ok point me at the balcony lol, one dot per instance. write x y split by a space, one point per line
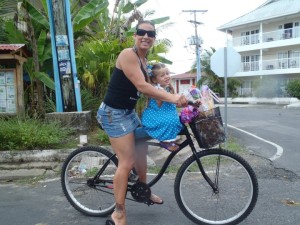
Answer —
277 35
274 64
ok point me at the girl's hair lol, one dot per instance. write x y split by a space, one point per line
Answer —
154 71
144 21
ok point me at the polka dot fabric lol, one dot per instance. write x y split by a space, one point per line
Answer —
161 123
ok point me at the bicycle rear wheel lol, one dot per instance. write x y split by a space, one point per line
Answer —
89 195
237 188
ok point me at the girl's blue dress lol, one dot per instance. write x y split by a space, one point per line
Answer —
161 123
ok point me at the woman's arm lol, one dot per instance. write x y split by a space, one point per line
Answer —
128 62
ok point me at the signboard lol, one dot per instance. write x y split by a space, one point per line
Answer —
222 56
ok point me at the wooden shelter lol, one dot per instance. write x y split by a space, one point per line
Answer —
12 58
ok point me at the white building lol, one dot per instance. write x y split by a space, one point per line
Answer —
268 40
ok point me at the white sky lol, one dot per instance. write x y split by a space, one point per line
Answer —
218 13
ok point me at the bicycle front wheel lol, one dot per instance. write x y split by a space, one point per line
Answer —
236 183
90 194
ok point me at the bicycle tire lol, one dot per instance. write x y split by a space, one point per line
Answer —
237 188
92 198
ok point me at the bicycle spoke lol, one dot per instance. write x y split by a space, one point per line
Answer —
88 190
236 188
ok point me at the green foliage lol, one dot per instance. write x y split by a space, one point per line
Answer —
27 134
88 13
95 62
45 79
141 104
12 34
36 16
232 85
293 88
88 100
103 137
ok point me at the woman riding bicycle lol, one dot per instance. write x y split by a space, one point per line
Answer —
118 118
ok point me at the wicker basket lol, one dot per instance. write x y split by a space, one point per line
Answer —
208 128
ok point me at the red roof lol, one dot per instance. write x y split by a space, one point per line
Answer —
15 49
184 75
11 47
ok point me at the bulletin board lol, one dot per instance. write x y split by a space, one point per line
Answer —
7 91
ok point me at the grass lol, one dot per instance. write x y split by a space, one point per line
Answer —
232 145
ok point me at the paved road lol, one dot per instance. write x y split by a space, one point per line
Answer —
44 203
275 132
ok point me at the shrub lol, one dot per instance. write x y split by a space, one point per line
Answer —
28 134
293 88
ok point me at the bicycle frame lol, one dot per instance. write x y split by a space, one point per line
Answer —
187 142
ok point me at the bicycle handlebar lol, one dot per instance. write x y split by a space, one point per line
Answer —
193 103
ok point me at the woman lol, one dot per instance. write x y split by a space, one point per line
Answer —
118 118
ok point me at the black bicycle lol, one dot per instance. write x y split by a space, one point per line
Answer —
212 186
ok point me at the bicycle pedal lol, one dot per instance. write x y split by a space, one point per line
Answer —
109 222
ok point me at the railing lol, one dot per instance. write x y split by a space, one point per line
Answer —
281 34
267 37
284 63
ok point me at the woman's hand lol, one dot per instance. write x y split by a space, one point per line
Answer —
198 102
181 100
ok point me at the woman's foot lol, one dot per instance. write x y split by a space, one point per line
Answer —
154 199
170 146
119 216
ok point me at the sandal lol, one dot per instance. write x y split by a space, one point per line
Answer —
155 200
170 146
110 222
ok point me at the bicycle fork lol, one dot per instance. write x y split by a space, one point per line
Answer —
214 185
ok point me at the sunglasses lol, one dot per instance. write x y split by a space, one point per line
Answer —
150 33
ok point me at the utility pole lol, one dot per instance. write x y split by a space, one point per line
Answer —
67 89
197 40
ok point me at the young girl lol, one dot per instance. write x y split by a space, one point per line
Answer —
160 119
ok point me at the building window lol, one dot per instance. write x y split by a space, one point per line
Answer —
250 63
250 37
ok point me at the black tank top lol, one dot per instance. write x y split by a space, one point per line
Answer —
121 93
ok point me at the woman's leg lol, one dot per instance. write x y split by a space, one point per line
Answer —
125 149
141 166
141 150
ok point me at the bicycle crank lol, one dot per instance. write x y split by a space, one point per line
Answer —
140 192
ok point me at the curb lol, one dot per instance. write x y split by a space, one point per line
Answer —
31 163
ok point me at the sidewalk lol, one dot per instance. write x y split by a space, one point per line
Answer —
287 103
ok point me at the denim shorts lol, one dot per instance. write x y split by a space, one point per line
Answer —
117 122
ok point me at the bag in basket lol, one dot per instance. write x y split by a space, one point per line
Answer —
209 128
207 99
